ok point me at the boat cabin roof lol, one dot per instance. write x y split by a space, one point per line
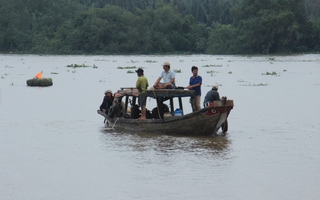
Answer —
164 93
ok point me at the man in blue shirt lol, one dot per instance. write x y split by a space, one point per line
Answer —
195 84
168 77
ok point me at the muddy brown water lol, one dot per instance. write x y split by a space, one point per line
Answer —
53 144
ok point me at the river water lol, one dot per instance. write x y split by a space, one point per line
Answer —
53 144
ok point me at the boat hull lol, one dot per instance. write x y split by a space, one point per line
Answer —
204 122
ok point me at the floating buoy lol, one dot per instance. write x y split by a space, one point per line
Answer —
39 75
42 82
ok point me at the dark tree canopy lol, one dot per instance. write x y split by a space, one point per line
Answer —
159 26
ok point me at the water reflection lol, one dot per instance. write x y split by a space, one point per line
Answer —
165 144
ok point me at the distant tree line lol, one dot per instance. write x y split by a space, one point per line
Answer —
159 26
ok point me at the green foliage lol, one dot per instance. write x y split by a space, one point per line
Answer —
159 26
223 40
271 26
31 24
313 40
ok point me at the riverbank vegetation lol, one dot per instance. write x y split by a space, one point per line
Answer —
159 26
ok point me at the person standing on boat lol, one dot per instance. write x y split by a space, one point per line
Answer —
168 77
195 84
211 96
142 85
107 101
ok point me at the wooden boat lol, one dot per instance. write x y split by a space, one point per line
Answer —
40 82
164 119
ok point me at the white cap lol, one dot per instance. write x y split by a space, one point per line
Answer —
166 63
108 91
215 86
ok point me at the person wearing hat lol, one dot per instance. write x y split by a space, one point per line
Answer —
107 101
195 84
168 77
117 106
211 96
142 85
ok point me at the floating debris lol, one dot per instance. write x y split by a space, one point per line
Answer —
212 65
80 66
127 67
260 84
273 73
151 61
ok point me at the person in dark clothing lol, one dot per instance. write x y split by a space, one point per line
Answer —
211 96
107 101
116 110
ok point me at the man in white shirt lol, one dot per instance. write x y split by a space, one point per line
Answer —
168 77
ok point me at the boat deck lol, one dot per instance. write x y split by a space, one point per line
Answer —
165 93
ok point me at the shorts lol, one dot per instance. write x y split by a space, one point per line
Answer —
172 85
142 99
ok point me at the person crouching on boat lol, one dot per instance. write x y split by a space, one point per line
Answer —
142 85
211 96
168 77
117 106
107 101
195 84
